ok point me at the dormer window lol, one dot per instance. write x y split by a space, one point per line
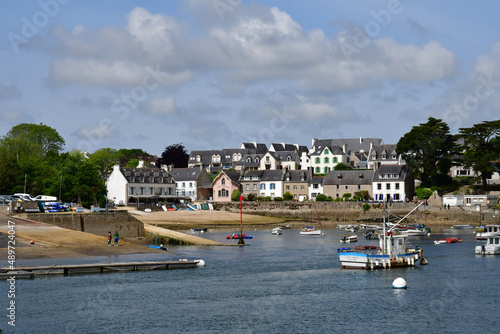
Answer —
383 156
249 160
257 160
198 158
339 177
327 151
223 181
288 158
394 156
361 176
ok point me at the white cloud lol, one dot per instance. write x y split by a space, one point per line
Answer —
161 106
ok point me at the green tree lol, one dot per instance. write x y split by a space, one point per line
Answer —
235 196
175 155
480 147
427 149
27 155
287 196
105 159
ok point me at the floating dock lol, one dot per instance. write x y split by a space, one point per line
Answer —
67 269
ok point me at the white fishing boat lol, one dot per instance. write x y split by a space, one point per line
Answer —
348 239
491 247
463 227
491 231
277 231
417 232
393 252
310 230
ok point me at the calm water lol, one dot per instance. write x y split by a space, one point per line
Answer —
278 284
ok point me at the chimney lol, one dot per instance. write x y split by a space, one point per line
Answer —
313 141
361 140
141 164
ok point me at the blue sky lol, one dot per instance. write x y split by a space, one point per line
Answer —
212 74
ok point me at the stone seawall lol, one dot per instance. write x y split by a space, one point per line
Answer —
99 223
352 212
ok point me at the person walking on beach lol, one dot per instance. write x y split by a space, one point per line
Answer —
117 237
109 238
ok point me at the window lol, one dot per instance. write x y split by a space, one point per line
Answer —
326 151
335 160
272 186
257 160
338 196
346 187
379 186
247 186
183 185
294 187
317 170
315 186
388 186
359 187
223 181
287 187
325 170
301 187
132 190
254 187
397 186
338 187
249 160
326 160
295 196
317 160
262 186
396 197
190 184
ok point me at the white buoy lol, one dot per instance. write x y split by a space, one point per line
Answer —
399 283
200 263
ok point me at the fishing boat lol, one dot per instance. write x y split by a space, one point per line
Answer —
393 252
447 241
417 232
348 239
491 231
463 227
276 231
285 227
310 230
491 247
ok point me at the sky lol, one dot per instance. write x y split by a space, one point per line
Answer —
211 74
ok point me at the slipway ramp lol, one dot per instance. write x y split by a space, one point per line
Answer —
188 239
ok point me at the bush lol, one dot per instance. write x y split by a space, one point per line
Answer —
287 196
250 197
235 196
347 196
362 195
423 193
278 199
321 198
366 207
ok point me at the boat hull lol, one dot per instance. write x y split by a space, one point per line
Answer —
315 232
360 260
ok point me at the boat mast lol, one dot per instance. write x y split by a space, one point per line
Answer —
384 248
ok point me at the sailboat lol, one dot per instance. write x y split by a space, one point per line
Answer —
311 230
393 252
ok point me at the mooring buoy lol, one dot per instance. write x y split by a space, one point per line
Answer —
399 283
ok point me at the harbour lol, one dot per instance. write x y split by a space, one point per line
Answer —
277 284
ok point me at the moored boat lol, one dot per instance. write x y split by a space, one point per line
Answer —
463 227
276 231
351 238
393 252
491 231
310 230
447 241
491 247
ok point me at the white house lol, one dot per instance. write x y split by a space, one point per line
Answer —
315 186
139 185
271 183
392 183
192 184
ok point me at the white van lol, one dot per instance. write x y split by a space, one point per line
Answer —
43 198
25 197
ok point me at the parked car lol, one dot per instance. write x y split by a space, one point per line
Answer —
5 199
25 197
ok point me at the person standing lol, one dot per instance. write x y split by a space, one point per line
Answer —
109 238
117 237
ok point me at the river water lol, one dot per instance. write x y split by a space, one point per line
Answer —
277 284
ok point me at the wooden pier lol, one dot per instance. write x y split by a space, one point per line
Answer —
67 269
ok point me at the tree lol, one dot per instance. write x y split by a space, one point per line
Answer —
175 155
105 159
481 147
427 149
27 154
287 196
423 193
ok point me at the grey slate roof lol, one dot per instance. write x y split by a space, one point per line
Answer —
317 180
185 174
249 160
298 176
349 177
378 150
258 147
232 175
146 175
251 173
318 149
273 175
399 170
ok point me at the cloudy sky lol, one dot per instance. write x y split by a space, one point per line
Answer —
212 74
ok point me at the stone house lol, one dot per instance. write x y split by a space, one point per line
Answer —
383 154
297 183
338 183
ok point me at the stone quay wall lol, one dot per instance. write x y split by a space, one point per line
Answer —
99 223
